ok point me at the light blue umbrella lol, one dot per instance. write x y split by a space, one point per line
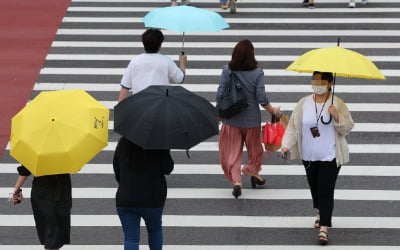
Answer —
183 19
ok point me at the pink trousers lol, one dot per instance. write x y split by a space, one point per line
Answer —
231 140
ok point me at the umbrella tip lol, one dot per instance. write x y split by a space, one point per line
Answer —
338 41
166 93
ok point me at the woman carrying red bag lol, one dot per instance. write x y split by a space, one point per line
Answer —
245 127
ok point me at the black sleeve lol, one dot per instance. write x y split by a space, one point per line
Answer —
167 164
23 171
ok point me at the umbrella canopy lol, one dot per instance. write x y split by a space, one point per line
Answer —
340 61
58 132
184 18
165 117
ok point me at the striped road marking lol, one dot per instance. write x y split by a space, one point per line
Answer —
215 169
224 193
217 221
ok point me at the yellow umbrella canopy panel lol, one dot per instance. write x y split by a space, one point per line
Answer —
59 132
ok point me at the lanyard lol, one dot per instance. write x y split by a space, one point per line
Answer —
316 111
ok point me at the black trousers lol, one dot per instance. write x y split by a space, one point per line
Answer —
321 177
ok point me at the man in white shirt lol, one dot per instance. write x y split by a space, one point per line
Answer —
151 67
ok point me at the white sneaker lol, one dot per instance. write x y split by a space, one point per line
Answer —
364 1
352 4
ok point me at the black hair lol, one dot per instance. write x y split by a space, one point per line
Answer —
152 39
327 76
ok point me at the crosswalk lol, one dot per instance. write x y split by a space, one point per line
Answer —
94 44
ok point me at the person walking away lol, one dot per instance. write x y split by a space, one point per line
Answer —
231 4
245 127
183 2
151 67
51 200
352 3
316 133
142 191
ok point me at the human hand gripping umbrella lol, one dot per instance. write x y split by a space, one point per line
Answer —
184 19
339 61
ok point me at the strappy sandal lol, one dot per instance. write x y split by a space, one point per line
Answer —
323 240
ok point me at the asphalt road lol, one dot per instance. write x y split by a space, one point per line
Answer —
92 48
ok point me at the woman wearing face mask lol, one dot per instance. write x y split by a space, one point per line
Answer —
316 134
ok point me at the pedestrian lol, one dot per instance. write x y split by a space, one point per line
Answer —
352 3
308 3
231 4
183 2
142 191
245 127
321 144
151 67
51 200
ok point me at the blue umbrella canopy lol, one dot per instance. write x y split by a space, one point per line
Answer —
184 18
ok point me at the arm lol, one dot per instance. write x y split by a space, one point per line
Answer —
344 122
262 97
272 110
16 198
225 77
182 62
167 164
177 74
124 92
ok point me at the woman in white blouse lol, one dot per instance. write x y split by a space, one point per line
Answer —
316 134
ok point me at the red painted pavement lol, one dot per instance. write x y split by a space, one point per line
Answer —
27 29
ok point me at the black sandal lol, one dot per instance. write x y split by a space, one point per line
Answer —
237 191
323 240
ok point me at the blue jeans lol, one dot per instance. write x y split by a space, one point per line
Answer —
130 220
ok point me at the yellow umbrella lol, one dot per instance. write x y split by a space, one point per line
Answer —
340 61
59 132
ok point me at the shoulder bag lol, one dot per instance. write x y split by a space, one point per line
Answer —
234 99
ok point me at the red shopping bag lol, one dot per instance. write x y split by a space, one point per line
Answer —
273 133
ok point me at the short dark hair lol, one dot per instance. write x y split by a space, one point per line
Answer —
152 39
327 76
243 56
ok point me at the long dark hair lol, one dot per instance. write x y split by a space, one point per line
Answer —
243 56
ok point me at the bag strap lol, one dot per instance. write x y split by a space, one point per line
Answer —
239 84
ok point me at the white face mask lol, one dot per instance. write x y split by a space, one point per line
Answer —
320 90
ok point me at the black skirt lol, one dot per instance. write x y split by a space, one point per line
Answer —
51 199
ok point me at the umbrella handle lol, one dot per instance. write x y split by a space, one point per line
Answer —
183 43
324 122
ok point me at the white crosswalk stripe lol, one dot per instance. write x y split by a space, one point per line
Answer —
95 42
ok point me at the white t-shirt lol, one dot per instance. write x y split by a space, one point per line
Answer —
150 69
320 148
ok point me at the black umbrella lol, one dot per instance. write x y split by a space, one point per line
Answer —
165 117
